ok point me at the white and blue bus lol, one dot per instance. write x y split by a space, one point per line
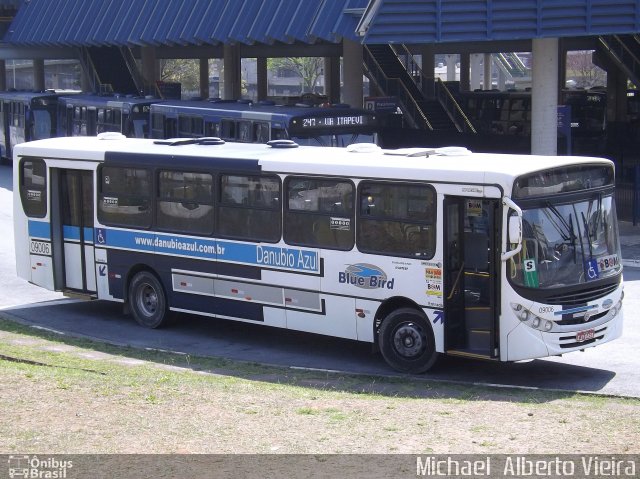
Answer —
419 252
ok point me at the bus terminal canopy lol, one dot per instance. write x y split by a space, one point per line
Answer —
60 23
436 21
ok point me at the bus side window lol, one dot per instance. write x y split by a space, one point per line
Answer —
211 129
228 129
396 219
261 132
244 131
185 202
33 187
124 198
319 213
250 208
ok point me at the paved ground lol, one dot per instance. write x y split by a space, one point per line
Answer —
630 244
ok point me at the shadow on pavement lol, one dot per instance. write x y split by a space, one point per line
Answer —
228 340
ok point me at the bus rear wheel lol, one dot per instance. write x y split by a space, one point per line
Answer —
147 300
407 342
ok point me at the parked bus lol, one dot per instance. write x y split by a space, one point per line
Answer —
421 252
509 112
25 116
262 122
89 115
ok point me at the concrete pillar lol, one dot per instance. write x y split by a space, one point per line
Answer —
38 74
451 67
475 75
502 79
262 78
150 70
427 53
616 96
204 78
562 64
544 97
232 75
332 79
352 64
428 60
486 74
465 66
3 75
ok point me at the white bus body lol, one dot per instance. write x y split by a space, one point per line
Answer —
502 257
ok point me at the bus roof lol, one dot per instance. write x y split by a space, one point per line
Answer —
449 165
102 100
240 108
27 95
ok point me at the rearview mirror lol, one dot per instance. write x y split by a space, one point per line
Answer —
515 229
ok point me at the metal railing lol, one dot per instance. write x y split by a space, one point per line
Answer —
452 107
440 91
622 55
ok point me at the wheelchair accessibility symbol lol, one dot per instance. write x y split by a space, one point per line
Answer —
101 236
591 270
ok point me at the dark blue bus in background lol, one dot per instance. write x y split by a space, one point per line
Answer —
26 116
242 121
88 115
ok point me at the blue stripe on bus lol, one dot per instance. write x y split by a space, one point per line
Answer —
265 256
72 233
39 229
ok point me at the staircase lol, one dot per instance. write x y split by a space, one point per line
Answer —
511 65
111 69
624 52
404 80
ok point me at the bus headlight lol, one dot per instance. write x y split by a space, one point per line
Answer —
523 315
536 322
548 325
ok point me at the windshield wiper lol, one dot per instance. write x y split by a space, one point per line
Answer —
586 232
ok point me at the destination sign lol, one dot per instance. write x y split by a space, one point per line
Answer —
333 121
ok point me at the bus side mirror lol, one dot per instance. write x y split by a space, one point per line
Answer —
514 228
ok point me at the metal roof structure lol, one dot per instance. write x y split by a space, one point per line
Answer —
73 23
440 21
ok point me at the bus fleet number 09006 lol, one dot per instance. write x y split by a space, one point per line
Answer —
40 247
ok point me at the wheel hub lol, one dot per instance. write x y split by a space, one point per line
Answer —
409 340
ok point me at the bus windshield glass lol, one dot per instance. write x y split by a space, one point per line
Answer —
568 244
340 140
42 120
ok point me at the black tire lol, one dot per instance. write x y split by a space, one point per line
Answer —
147 300
406 341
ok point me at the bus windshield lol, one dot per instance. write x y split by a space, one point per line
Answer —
340 140
568 244
41 124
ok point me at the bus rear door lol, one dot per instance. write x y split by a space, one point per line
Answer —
75 259
470 276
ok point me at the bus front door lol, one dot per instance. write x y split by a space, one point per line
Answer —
470 294
75 215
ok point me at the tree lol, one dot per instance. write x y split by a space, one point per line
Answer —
582 71
184 71
309 69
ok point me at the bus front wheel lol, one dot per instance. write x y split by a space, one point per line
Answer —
407 342
147 300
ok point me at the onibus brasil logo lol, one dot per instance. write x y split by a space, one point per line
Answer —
33 467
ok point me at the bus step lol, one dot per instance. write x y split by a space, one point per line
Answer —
79 295
479 339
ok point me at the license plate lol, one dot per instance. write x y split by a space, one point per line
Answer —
585 335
